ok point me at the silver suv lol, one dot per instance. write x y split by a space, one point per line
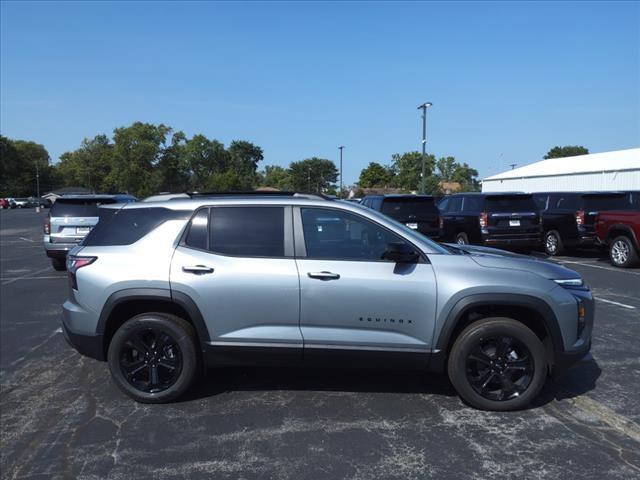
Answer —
159 289
70 219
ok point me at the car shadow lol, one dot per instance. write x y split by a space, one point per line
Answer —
579 380
223 380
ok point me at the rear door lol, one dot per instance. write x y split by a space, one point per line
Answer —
601 202
72 219
236 263
512 214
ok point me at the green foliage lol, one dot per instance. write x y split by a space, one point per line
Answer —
375 175
276 176
566 151
408 169
451 171
313 175
18 162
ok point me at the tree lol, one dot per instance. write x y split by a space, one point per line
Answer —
375 175
276 176
203 159
244 158
88 166
19 162
408 169
566 151
451 171
313 175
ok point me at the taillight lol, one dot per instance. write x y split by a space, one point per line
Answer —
47 225
74 263
580 217
484 220
440 222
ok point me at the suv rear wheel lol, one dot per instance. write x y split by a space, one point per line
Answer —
553 243
152 357
462 239
622 252
497 364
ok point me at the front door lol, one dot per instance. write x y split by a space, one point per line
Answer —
236 263
351 298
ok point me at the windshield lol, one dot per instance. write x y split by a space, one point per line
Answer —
510 203
404 208
406 231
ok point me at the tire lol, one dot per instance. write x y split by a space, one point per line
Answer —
462 239
175 362
523 364
553 243
622 253
59 264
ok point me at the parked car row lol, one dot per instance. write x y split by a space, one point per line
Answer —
555 221
29 202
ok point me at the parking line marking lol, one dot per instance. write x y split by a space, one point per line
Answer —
33 349
600 266
2 279
25 275
26 239
630 307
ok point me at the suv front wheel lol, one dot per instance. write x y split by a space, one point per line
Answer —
152 357
497 364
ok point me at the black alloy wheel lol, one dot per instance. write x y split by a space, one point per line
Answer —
151 360
500 368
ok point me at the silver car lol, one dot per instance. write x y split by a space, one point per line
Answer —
70 219
159 289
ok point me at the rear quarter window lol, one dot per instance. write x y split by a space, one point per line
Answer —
403 208
607 202
127 226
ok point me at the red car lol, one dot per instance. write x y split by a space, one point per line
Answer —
4 203
620 231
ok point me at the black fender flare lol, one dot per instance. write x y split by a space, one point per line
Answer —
495 299
180 299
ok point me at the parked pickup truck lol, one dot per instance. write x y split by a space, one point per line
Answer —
620 231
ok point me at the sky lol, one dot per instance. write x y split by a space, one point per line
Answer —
508 80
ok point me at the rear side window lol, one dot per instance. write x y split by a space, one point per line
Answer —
405 208
78 207
455 204
198 234
247 231
509 203
564 201
607 202
127 226
472 204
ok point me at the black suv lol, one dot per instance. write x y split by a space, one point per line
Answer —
568 218
491 219
418 212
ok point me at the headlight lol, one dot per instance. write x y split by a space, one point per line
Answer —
571 283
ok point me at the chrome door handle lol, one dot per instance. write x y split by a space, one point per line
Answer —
324 275
200 269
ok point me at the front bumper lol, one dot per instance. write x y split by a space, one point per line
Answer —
563 361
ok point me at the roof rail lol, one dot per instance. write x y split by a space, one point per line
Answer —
316 196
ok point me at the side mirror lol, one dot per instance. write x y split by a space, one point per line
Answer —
400 252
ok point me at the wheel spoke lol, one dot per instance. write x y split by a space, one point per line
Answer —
486 379
479 356
504 346
508 387
170 363
134 367
154 377
520 364
137 343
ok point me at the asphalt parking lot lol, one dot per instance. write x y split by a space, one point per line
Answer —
61 417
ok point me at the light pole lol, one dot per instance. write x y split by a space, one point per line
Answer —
37 187
424 107
340 191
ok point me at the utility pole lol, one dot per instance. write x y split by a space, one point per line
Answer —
37 187
340 192
424 107
513 165
309 180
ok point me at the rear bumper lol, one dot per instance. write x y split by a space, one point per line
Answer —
57 250
85 342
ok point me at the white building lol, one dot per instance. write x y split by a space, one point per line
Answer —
618 170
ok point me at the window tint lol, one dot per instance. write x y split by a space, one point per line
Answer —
198 234
343 236
564 201
86 207
407 208
541 201
472 204
126 226
247 231
455 204
443 205
607 202
511 203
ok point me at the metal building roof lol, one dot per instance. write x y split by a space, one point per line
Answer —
618 160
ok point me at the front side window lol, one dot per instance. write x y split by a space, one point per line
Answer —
333 234
247 231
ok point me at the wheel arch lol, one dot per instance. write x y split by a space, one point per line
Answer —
124 304
533 312
620 229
